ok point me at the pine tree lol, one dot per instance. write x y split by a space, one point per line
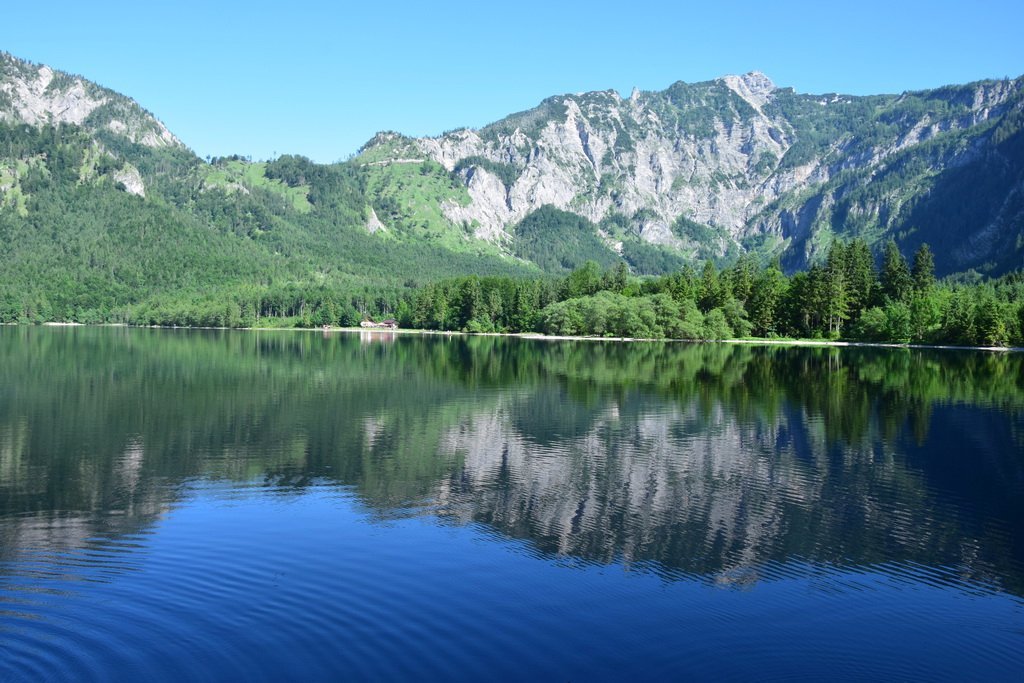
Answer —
616 278
834 289
991 328
958 323
861 278
741 277
471 300
804 302
896 280
923 272
683 285
765 302
709 287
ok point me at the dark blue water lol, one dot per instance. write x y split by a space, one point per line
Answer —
265 506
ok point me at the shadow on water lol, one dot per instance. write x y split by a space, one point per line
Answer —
693 460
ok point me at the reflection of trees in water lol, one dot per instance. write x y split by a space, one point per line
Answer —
711 459
702 457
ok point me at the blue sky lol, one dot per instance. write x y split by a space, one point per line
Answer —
319 78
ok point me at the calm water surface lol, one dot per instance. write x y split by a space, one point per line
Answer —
180 505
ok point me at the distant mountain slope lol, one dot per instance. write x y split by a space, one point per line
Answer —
102 208
710 169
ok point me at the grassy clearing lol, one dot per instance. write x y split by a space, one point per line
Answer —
252 176
408 199
12 196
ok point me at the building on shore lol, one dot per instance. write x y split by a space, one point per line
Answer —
389 324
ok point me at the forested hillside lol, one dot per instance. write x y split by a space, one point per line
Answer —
94 227
105 216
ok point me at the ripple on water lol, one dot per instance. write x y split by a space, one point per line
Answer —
576 512
230 586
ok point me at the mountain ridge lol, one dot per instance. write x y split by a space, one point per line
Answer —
102 208
732 154
36 94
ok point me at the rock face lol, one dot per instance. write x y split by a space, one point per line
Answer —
761 166
130 178
373 223
696 171
38 95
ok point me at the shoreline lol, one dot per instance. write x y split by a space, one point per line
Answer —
555 337
558 337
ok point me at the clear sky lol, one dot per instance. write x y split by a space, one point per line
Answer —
319 78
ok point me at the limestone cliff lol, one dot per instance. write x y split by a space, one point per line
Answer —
38 95
754 166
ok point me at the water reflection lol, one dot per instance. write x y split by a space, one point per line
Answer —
726 463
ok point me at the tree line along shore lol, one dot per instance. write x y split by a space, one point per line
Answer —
848 297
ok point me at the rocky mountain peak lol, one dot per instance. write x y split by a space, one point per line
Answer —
38 95
708 169
754 87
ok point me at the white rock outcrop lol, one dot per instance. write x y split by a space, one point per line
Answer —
130 178
38 95
712 155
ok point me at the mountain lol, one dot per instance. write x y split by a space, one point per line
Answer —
738 164
106 215
38 95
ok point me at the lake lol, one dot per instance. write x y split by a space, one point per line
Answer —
281 505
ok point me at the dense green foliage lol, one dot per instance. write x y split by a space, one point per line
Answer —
847 297
557 240
647 259
506 173
227 243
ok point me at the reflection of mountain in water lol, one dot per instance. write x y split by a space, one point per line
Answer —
696 490
125 505
714 460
